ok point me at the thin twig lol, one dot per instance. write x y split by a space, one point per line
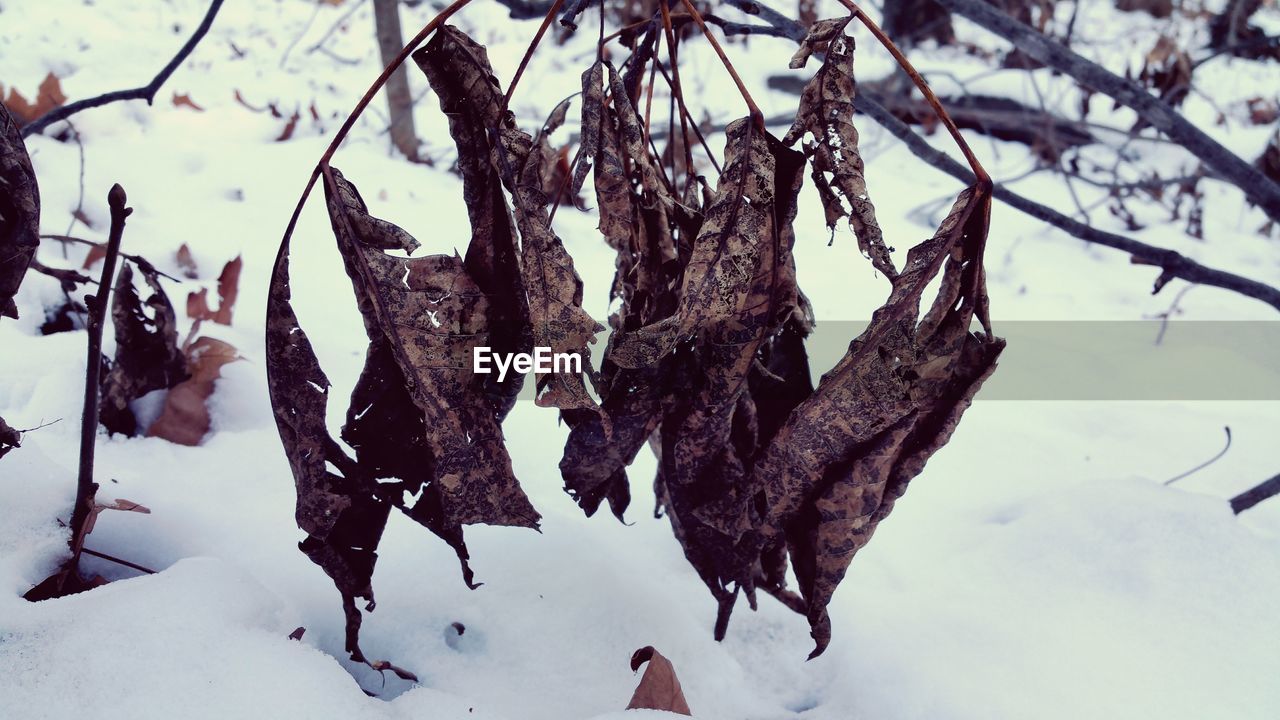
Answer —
1206 463
676 91
297 38
146 92
924 88
118 561
528 53
756 116
1172 263
353 6
86 488
135 259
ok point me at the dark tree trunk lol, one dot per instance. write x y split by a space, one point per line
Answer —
386 21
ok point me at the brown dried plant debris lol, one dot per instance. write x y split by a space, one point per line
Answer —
48 97
460 76
707 361
659 688
635 221
228 290
147 356
9 438
826 117
184 419
847 453
756 465
19 212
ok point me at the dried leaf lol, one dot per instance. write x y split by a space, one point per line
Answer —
96 253
48 96
659 688
826 113
637 225
184 418
184 100
592 117
847 452
336 508
459 73
433 315
9 438
147 357
19 213
187 263
228 291
117 504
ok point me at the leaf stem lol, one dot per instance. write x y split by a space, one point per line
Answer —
756 115
925 90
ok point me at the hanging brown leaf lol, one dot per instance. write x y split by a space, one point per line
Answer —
640 230
847 453
739 288
552 286
19 213
336 507
433 316
826 113
659 688
592 117
147 356
184 418
459 73
554 291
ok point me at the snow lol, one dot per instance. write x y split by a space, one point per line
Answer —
1038 568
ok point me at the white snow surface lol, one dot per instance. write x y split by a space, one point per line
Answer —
1039 568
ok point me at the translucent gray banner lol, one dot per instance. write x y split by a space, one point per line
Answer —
1088 360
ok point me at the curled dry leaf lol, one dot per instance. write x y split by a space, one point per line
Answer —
635 221
659 688
19 212
458 71
847 453
9 438
187 262
431 316
184 419
826 114
228 291
184 100
592 119
117 504
336 507
147 356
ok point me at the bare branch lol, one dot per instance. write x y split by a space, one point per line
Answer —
1260 189
146 92
1249 498
1172 264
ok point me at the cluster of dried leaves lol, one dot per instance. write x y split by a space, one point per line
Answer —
149 356
19 229
706 360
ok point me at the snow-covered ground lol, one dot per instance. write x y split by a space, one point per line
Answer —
1039 568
